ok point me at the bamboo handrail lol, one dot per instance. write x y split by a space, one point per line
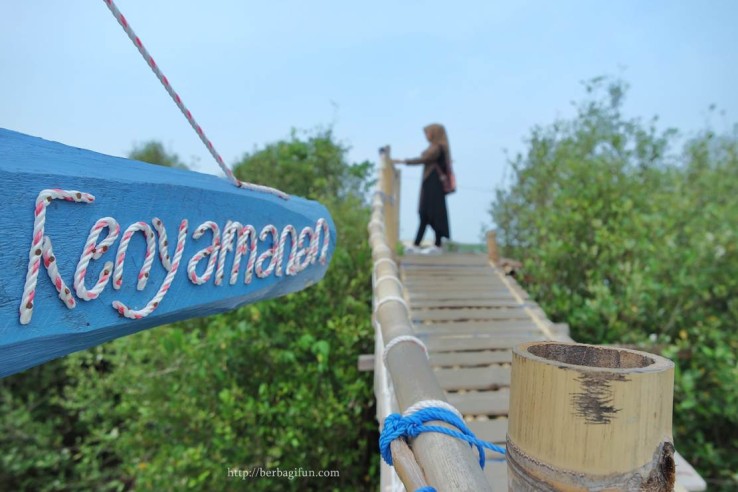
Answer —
448 464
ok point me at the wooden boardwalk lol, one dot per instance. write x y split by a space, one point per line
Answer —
469 315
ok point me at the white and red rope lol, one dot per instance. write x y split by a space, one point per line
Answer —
65 294
41 243
93 251
186 112
244 232
211 251
143 274
124 310
41 253
161 231
262 272
321 224
229 231
290 231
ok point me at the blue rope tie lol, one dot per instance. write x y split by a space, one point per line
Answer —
427 488
397 426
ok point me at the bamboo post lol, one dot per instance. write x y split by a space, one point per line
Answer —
395 229
389 186
584 417
406 467
494 255
448 463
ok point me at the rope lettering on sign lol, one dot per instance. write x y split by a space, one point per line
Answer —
302 251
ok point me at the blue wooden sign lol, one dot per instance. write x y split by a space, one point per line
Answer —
95 247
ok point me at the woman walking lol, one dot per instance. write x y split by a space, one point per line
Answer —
432 209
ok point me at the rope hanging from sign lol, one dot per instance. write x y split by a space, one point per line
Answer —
186 112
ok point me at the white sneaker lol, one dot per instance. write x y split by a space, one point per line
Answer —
413 250
431 250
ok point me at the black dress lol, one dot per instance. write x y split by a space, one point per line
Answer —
432 206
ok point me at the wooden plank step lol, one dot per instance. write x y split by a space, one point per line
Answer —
688 476
447 266
441 266
452 272
438 283
496 473
500 328
470 359
425 299
470 314
441 282
481 402
463 303
477 378
491 430
460 268
449 259
453 344
472 280
488 295
471 277
466 272
443 286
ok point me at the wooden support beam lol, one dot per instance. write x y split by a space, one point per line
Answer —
584 417
365 363
85 258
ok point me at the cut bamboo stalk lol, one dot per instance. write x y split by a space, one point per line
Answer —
584 417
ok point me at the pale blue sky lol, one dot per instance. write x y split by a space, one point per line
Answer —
377 71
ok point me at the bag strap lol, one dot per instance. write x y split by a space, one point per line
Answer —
447 158
440 171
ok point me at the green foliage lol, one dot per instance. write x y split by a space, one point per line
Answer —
34 430
154 152
313 167
628 241
271 385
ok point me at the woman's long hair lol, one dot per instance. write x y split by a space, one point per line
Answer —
437 136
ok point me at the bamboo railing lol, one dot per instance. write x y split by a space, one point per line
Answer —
447 463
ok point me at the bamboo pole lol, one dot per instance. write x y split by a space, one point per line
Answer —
407 468
390 192
448 463
584 417
395 239
494 255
